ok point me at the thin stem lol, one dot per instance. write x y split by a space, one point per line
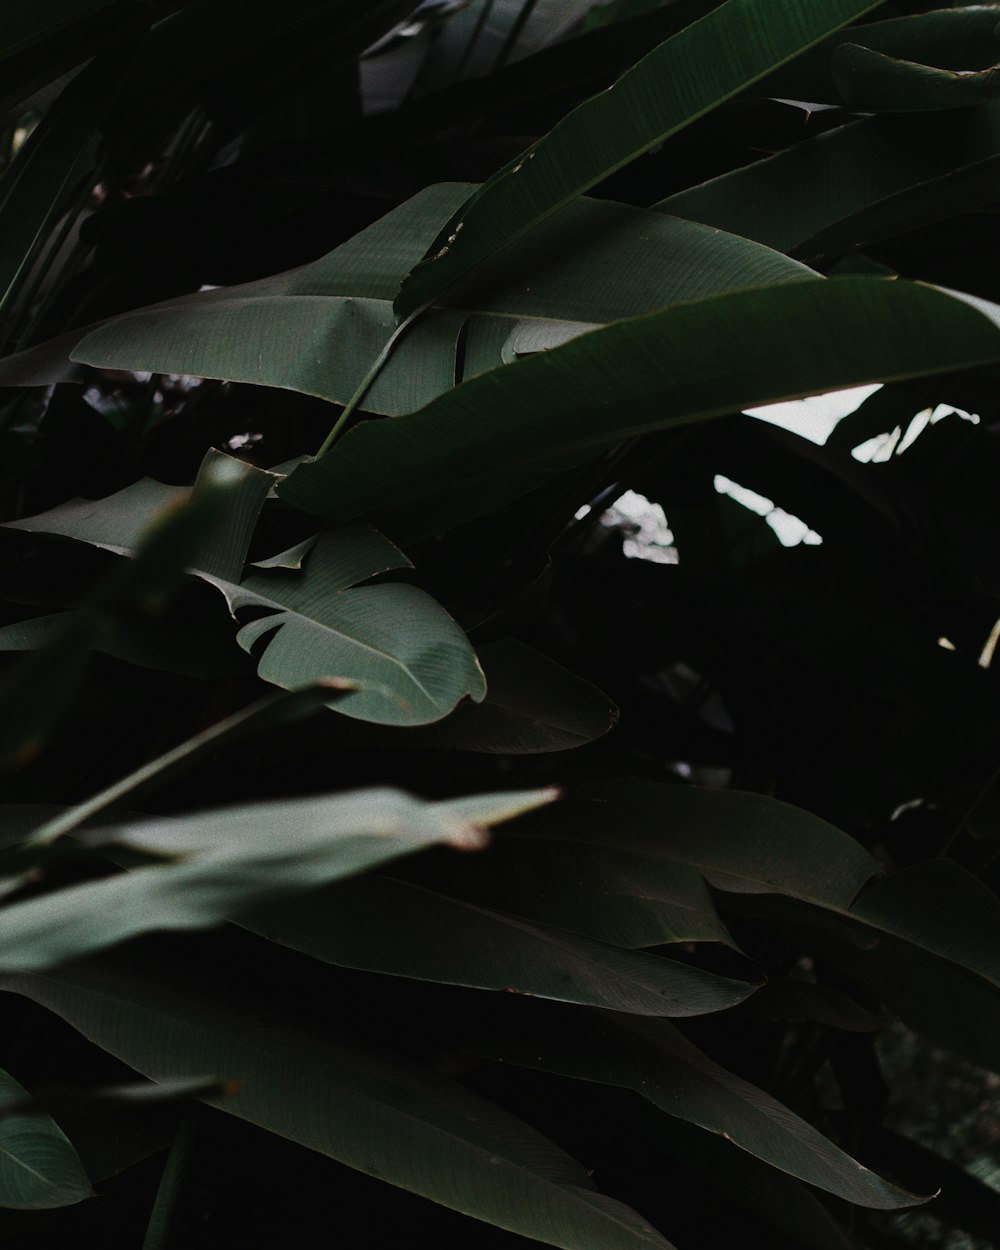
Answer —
368 380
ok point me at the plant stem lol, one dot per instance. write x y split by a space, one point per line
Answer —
368 380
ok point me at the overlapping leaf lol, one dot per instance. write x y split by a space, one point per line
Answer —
432 937
856 66
655 1060
854 184
226 860
751 844
409 661
503 434
317 329
698 69
367 1109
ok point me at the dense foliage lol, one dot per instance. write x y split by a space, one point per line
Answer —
331 331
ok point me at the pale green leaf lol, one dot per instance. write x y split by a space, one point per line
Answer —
226 860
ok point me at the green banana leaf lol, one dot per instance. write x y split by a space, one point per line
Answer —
855 184
370 1110
318 328
429 936
871 82
532 706
656 1061
231 858
614 894
500 435
963 38
38 1166
408 661
699 68
752 844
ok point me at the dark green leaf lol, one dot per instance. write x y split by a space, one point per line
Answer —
229 859
432 937
503 434
38 1166
871 82
854 184
368 1109
655 1060
699 68
406 659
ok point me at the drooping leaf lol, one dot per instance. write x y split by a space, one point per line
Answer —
432 937
38 1166
784 1203
685 77
615 894
962 38
869 81
752 844
941 907
221 862
369 1110
855 184
501 435
655 1060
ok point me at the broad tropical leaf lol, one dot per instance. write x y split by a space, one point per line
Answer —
654 1059
500 435
223 861
616 894
752 844
854 184
318 328
869 81
409 661
38 1166
432 937
367 1109
532 705
685 77
963 38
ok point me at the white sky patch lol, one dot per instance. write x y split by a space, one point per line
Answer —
650 537
894 442
815 418
790 529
